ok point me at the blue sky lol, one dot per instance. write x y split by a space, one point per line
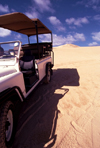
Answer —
71 21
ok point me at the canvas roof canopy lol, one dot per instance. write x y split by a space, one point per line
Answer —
21 23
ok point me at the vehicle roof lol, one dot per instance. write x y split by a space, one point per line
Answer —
21 23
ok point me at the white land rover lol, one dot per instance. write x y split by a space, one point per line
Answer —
22 68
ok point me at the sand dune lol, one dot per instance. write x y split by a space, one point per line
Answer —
68 45
80 107
69 106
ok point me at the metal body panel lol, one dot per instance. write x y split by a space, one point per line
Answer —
42 71
11 80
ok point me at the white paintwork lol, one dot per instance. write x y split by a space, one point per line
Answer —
11 76
41 64
11 80
6 62
6 70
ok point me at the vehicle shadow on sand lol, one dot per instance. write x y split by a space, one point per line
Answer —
38 118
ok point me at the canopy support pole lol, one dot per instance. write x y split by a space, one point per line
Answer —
37 38
28 40
52 38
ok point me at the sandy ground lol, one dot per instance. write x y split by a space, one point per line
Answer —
66 112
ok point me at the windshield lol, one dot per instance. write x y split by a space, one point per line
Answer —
8 52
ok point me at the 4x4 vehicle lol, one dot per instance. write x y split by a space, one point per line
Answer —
22 68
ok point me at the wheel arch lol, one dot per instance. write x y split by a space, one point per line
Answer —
8 93
47 65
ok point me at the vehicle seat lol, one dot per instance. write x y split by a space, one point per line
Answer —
27 63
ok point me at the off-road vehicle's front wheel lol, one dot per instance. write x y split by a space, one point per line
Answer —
6 124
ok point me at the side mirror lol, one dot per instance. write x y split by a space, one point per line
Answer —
11 52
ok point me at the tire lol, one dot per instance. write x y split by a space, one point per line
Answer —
48 75
6 124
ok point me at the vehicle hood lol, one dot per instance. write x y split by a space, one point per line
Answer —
6 70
